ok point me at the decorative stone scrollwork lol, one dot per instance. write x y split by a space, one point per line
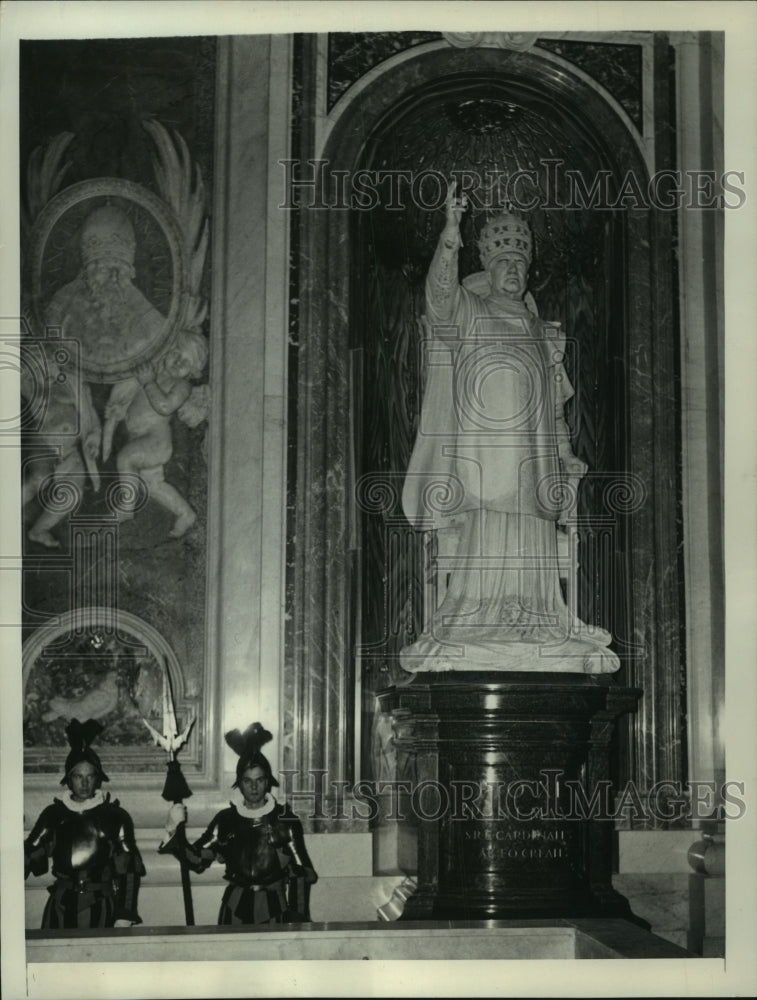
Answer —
518 41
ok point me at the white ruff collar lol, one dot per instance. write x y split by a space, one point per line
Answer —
79 807
269 804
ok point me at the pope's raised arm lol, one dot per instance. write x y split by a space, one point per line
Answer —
442 288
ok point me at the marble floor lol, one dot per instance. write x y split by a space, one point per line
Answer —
533 939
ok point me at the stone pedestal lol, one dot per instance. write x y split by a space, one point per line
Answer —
504 781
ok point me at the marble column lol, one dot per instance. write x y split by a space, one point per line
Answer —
700 121
247 503
319 687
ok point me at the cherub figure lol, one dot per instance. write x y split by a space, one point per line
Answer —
146 404
69 436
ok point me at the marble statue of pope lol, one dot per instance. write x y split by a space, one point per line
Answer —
492 467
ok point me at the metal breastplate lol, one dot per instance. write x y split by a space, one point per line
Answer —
82 842
251 856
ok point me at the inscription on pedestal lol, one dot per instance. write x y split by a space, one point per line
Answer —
522 845
519 855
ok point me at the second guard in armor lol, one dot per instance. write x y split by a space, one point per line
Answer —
268 870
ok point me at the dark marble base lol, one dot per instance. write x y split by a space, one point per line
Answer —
508 793
503 904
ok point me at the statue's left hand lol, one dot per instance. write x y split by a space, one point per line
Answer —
572 465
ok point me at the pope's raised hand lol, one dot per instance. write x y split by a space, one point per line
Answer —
455 208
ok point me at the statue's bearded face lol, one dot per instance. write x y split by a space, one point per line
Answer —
509 276
107 280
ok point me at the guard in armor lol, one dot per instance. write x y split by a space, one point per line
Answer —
260 842
90 841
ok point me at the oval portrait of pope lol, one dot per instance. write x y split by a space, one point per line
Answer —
109 274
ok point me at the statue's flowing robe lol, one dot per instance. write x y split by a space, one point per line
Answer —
486 470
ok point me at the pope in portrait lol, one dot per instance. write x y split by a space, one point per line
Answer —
102 308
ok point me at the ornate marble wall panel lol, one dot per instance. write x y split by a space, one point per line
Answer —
619 62
351 54
117 152
616 66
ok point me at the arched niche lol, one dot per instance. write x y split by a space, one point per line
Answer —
106 664
339 392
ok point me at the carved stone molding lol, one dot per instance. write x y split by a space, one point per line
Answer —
518 41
